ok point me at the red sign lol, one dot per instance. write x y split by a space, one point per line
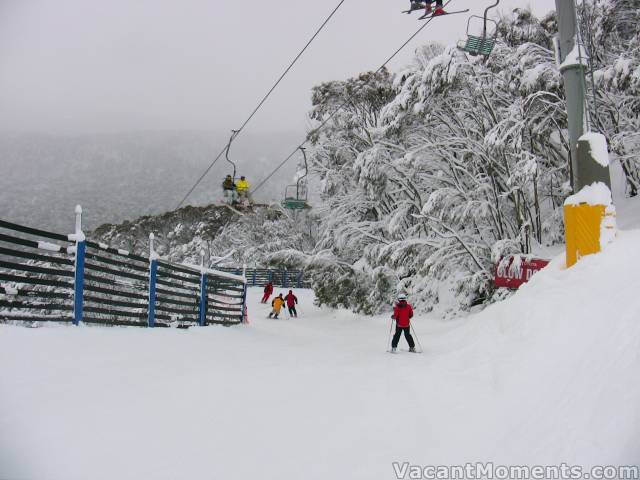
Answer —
514 270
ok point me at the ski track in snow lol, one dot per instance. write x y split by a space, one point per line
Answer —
546 377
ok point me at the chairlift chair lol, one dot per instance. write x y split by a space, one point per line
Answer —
295 196
481 44
234 198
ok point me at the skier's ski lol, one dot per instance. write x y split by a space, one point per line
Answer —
413 10
430 15
402 351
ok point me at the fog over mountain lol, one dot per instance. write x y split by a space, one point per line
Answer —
117 177
182 69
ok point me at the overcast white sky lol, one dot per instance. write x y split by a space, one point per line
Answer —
78 66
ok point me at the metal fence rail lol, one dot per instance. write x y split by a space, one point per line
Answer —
114 284
36 274
279 277
226 300
46 276
178 294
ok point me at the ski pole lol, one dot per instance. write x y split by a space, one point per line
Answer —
417 339
390 330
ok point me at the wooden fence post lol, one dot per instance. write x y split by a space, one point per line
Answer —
78 277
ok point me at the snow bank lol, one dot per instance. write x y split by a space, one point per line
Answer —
627 209
595 194
598 194
545 377
598 147
52 247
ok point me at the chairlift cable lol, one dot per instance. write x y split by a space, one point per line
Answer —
291 65
264 99
328 119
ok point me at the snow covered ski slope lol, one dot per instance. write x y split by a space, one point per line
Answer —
548 376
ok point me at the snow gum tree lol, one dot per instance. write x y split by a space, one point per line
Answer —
431 175
350 111
611 36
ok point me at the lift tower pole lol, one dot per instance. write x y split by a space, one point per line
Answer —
585 169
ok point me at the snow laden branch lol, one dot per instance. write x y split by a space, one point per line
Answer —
428 177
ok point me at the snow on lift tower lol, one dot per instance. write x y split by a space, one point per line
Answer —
226 153
481 44
299 200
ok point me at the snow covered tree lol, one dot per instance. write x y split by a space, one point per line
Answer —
430 176
610 33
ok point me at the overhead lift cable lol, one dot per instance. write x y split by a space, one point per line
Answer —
264 99
328 119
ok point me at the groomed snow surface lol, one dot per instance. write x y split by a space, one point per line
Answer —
548 376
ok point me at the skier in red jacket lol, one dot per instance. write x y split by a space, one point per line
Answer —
291 303
268 290
428 9
402 313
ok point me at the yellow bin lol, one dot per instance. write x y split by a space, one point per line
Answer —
582 226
